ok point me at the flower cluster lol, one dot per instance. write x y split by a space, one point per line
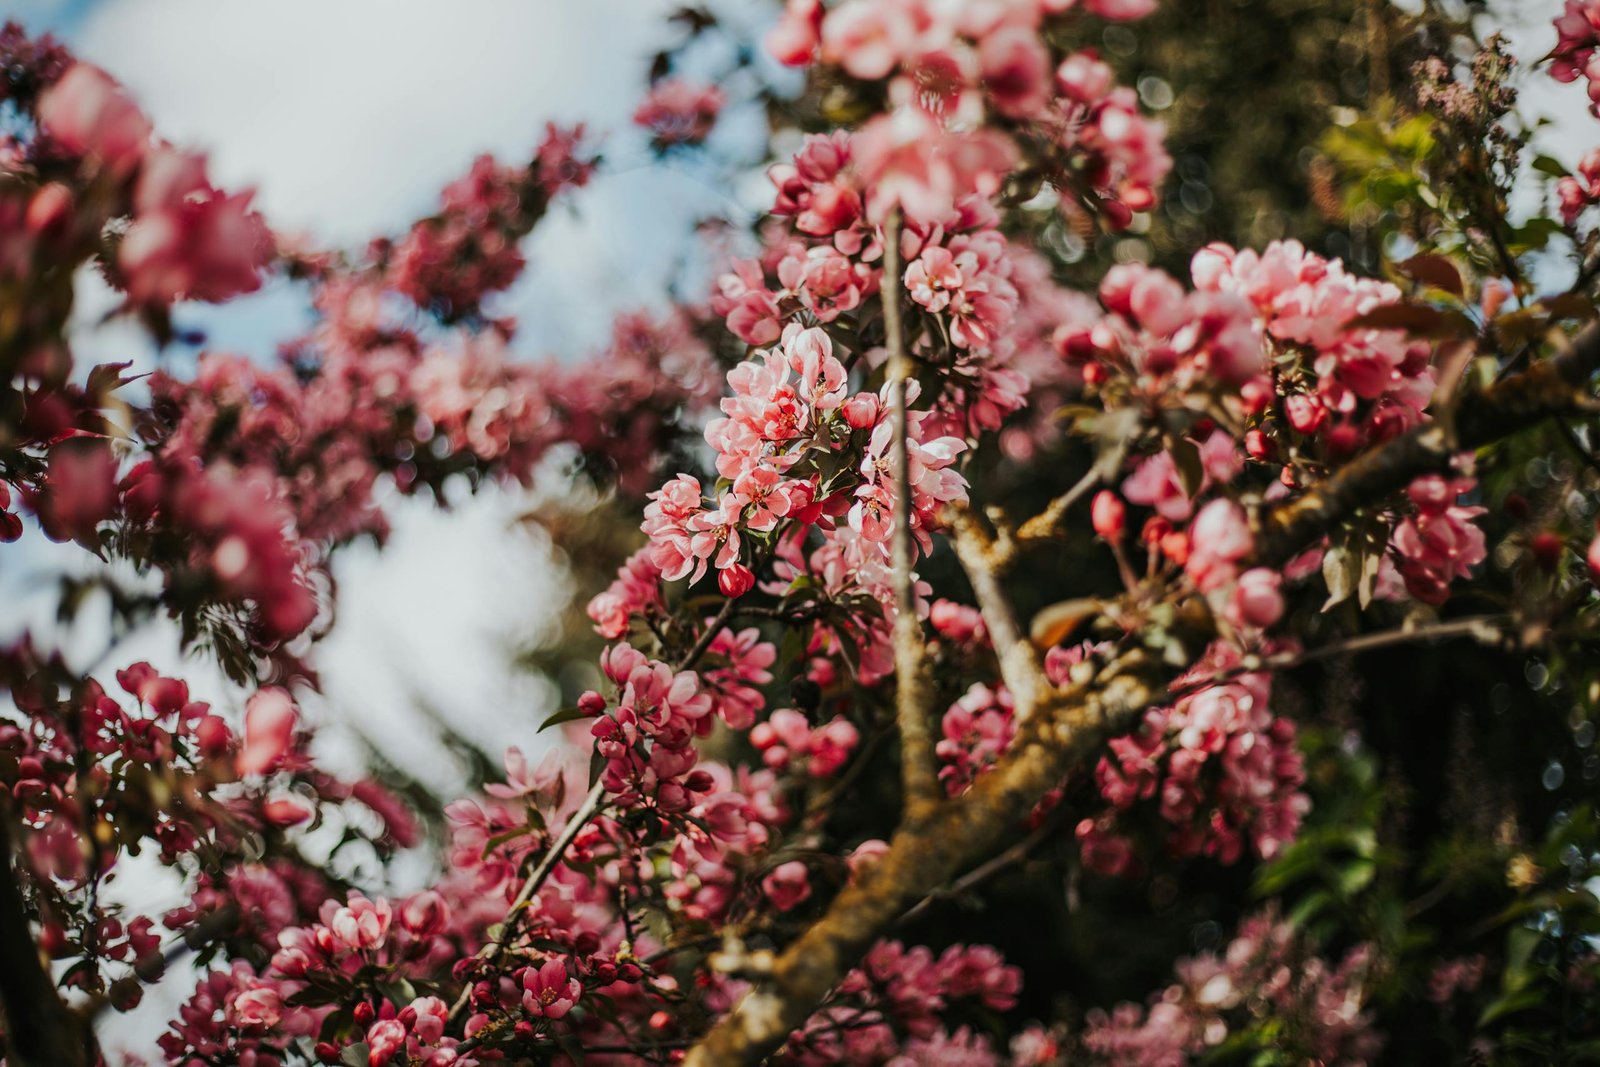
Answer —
1215 1003
906 990
1219 767
1578 192
1438 543
949 69
1578 34
977 729
1356 384
1162 338
790 406
448 263
186 239
787 740
679 112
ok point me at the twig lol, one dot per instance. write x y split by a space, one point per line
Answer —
1047 523
981 874
919 775
150 967
586 811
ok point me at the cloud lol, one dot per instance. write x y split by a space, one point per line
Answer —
350 116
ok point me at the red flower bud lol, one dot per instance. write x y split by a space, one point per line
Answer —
736 581
1258 444
1108 515
1546 547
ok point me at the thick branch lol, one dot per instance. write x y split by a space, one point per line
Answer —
1552 387
39 1030
1070 726
913 708
1019 662
1069 729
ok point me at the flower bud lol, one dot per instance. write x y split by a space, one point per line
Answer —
1108 515
736 581
1546 547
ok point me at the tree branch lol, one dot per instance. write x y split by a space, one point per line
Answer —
919 768
1553 386
580 818
1047 523
1070 725
1020 665
40 1031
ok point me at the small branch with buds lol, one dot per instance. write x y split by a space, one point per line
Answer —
586 812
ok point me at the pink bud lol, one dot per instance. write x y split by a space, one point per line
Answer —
861 411
424 914
1108 515
286 811
269 721
1256 599
1258 444
386 1037
213 736
736 581
787 886
1593 559
1306 413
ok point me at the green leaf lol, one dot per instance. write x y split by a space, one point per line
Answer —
1548 165
1186 457
563 716
1341 569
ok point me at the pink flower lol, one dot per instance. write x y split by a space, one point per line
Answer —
931 277
907 157
87 113
208 248
257 1008
547 991
269 722
677 111
1016 71
793 41
1440 542
425 914
868 38
384 1038
787 886
1256 600
78 492
1084 78
1218 538
361 923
